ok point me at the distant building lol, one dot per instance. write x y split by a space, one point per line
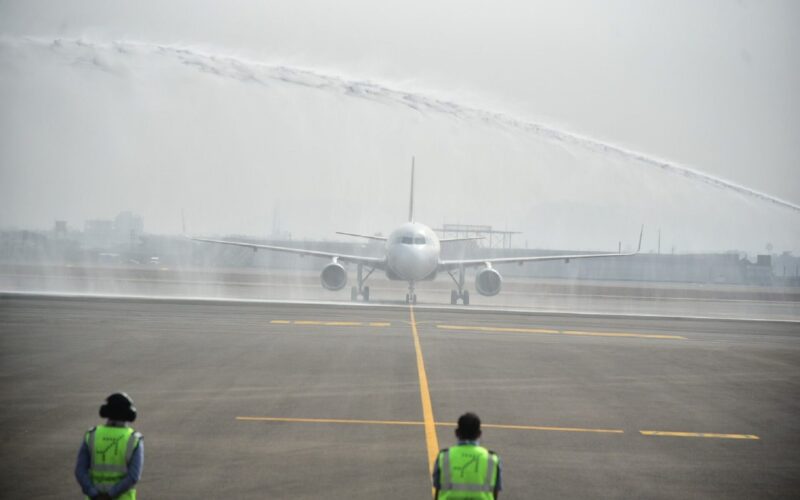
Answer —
98 233
60 229
128 227
761 272
125 229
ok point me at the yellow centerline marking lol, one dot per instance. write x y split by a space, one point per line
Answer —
619 334
546 331
494 426
431 439
418 423
497 329
699 435
557 429
312 322
329 421
539 428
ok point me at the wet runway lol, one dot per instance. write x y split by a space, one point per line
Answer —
266 400
542 295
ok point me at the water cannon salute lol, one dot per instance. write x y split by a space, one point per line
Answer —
434 249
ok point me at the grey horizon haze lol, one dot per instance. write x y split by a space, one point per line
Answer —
315 110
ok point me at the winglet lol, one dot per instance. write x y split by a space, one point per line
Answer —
411 200
641 232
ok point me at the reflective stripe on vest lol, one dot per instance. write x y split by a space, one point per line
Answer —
467 471
109 457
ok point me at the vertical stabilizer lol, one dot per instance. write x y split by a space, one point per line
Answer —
411 201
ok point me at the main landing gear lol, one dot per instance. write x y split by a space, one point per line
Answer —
460 294
411 296
455 296
361 290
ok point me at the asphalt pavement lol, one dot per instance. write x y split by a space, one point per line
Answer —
269 400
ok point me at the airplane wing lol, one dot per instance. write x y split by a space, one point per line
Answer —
452 264
377 262
379 238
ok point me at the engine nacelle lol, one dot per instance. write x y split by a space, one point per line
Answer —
488 282
333 276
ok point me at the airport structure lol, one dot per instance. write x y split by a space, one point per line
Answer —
102 243
494 238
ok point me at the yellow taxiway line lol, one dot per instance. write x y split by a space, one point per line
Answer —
556 429
539 428
418 423
329 421
310 322
494 426
699 435
547 331
431 439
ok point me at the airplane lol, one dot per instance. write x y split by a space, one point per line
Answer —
413 254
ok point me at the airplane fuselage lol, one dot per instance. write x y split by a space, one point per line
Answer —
412 253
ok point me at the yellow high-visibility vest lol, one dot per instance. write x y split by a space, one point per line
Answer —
467 472
111 449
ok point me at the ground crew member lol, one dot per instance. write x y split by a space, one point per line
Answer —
112 455
467 471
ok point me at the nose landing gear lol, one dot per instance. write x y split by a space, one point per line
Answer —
411 297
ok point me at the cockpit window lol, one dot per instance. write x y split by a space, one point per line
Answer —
411 239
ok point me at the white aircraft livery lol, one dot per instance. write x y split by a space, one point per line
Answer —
412 254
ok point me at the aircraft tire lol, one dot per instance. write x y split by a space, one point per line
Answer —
353 294
465 297
365 294
453 297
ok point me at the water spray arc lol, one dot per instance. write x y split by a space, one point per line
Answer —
259 73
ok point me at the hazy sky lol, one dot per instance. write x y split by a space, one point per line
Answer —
709 85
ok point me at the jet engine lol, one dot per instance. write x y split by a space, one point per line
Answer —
488 282
333 276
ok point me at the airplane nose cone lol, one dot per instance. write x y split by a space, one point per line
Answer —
408 264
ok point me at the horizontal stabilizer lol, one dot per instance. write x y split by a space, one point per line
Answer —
470 238
379 238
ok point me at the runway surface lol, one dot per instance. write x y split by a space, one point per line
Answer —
267 400
542 295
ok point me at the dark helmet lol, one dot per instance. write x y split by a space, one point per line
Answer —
119 406
469 426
